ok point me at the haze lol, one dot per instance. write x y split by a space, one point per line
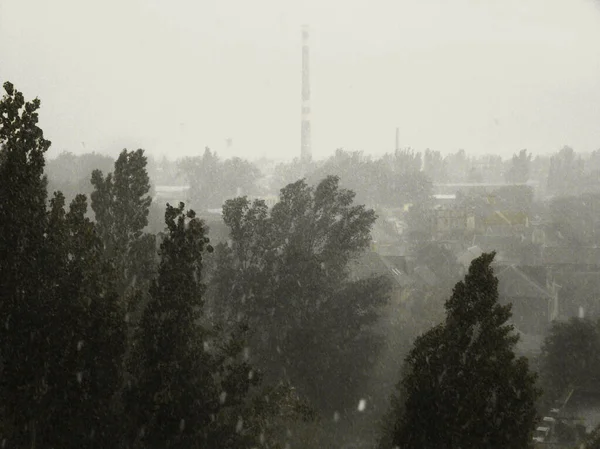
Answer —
174 77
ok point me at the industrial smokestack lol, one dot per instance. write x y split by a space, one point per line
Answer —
397 139
305 144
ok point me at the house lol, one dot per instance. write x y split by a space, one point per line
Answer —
585 258
447 219
372 264
534 297
466 257
510 249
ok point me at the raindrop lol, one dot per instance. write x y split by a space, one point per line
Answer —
181 425
93 433
239 425
246 353
261 438
206 346
79 345
127 317
142 431
223 397
336 417
3 443
362 404
79 376
250 374
7 324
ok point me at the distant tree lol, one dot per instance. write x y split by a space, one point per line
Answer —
286 274
570 356
288 172
519 168
458 166
70 173
212 181
463 385
238 175
565 173
434 166
393 180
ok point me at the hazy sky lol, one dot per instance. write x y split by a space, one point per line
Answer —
174 76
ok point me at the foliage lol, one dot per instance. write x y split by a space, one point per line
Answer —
23 305
463 385
286 274
87 342
434 166
212 181
121 203
62 327
393 180
518 170
192 385
565 172
570 356
70 173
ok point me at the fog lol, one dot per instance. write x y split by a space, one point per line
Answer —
195 254
483 76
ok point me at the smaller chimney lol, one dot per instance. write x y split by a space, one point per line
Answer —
397 139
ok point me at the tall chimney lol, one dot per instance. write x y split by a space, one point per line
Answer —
305 146
397 139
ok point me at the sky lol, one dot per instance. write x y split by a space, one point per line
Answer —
175 76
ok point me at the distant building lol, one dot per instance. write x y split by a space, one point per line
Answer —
448 219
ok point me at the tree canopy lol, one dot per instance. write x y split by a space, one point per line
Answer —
286 274
463 386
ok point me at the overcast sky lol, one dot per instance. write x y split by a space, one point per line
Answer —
174 76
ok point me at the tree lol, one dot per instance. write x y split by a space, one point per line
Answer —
463 385
570 356
180 385
23 303
87 334
393 180
70 173
61 338
434 166
212 181
565 174
121 203
286 274
518 171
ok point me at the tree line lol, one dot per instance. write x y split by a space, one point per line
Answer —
115 337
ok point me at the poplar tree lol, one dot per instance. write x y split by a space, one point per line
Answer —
463 386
